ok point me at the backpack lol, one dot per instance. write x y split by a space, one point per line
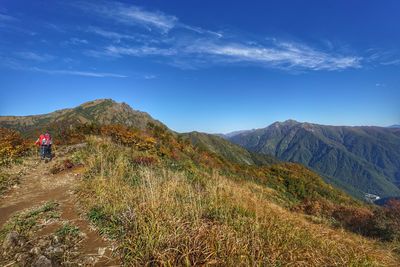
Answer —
46 140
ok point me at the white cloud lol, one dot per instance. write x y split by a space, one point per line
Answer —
34 56
206 52
149 77
391 62
132 15
383 57
188 46
139 51
80 73
110 34
77 41
6 18
284 55
193 45
200 30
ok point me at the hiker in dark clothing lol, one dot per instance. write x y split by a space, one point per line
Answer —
39 142
44 141
49 142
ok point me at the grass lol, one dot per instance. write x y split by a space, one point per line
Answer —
67 230
6 181
170 217
24 223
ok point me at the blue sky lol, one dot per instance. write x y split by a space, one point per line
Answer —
214 66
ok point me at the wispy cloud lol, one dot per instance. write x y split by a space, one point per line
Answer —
395 61
282 55
194 46
7 18
77 41
28 55
383 57
132 15
133 31
149 76
139 51
200 30
80 73
110 34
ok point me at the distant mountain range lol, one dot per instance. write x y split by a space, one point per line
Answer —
357 159
395 126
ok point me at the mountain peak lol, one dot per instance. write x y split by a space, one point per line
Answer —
289 122
98 101
99 111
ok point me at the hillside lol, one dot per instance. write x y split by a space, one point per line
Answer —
161 198
227 149
101 111
357 159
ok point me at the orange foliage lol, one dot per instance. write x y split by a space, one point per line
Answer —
125 136
12 145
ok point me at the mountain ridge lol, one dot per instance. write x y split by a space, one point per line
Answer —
292 121
104 111
99 111
352 157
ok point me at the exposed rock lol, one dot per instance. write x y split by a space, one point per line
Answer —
49 251
82 235
54 252
101 251
42 261
23 259
11 240
42 243
35 251
56 239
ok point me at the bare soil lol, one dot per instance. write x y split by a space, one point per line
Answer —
37 185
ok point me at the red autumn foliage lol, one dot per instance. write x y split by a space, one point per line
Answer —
144 161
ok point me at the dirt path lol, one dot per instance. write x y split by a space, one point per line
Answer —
39 186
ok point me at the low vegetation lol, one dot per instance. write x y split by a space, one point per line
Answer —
27 222
372 221
165 201
189 212
23 245
12 146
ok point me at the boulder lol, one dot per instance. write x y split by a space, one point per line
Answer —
42 261
11 240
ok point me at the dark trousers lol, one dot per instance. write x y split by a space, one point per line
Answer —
45 151
48 151
42 152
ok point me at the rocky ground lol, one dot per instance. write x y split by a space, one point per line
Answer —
40 222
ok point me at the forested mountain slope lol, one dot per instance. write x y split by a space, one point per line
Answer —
358 159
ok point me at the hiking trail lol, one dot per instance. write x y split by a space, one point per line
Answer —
37 186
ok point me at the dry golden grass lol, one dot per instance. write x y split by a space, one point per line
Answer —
172 218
